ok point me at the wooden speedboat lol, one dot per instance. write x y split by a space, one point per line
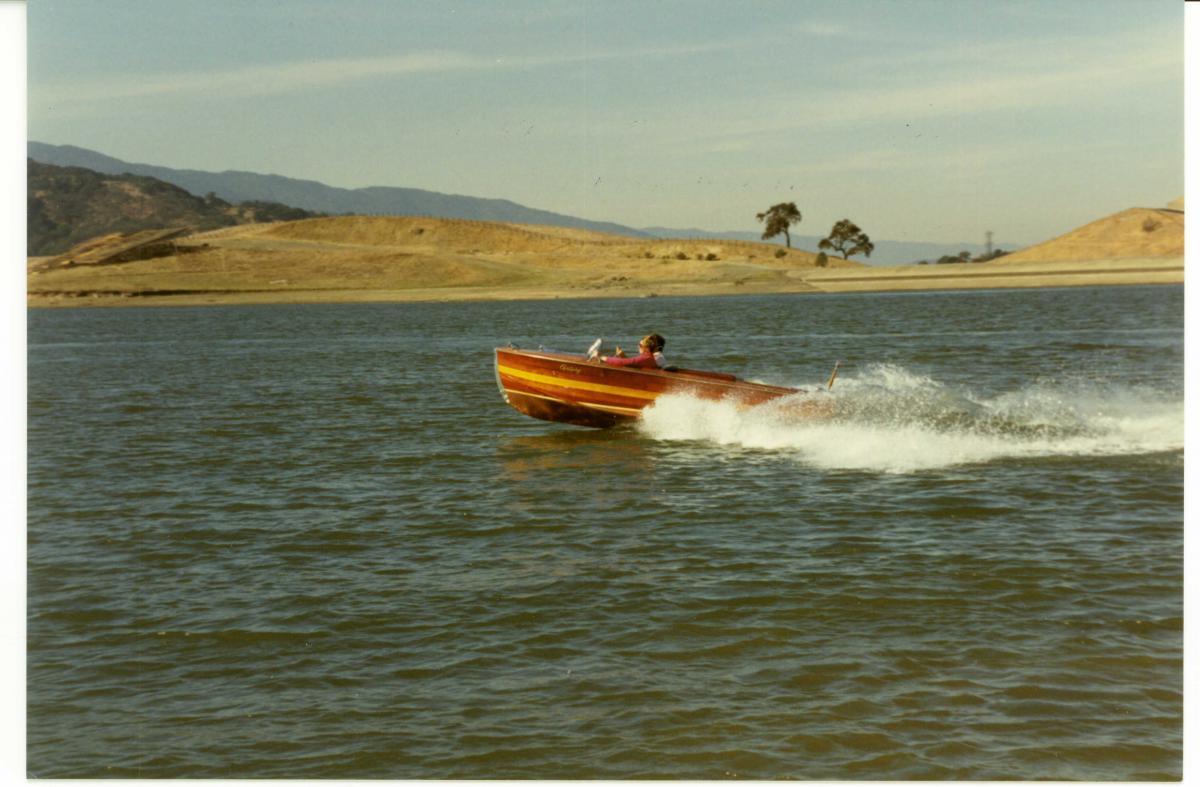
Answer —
570 388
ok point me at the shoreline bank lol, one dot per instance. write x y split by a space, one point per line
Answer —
909 278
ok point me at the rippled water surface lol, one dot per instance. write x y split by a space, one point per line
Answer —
313 542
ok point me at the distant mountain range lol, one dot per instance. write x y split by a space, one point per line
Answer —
308 195
236 186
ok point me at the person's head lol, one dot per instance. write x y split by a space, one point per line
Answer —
653 343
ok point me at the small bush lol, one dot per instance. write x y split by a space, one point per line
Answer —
780 254
679 255
710 257
1150 225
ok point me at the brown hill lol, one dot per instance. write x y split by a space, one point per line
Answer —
462 236
1140 233
440 234
398 258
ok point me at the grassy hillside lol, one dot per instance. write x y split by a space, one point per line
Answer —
374 258
1136 233
370 257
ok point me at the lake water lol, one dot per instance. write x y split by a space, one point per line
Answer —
313 542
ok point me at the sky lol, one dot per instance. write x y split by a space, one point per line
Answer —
931 121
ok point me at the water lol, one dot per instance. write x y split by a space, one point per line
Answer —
312 542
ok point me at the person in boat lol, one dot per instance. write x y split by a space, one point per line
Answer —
650 355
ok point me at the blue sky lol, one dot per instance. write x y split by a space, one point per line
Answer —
930 121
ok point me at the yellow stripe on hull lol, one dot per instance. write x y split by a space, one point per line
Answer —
561 382
610 408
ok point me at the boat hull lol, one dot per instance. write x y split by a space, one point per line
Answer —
570 389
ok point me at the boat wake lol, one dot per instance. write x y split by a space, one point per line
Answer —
890 420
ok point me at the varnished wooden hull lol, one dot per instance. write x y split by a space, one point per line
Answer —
569 389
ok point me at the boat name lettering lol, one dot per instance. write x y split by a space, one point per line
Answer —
572 369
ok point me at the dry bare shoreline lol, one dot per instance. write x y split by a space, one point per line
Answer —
892 279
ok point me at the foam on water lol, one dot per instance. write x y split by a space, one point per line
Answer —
888 419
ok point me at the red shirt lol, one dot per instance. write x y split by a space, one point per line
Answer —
643 361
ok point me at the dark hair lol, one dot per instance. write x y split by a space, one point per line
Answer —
655 343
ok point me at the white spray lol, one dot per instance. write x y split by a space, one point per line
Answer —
890 420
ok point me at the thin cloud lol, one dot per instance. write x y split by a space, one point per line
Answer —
257 80
958 95
1011 92
821 29
1046 51
281 78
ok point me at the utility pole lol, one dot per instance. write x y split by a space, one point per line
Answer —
989 243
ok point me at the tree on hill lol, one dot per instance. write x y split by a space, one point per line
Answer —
778 219
846 238
947 259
